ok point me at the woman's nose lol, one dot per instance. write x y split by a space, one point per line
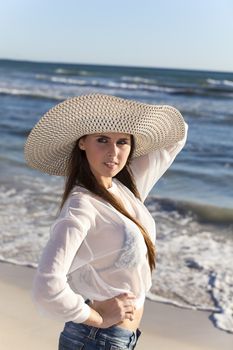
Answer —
112 151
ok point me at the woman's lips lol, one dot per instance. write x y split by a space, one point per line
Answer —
111 165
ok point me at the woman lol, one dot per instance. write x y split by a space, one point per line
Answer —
96 268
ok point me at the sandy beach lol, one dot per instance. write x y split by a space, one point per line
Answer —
164 327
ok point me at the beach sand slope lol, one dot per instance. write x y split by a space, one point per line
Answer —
164 327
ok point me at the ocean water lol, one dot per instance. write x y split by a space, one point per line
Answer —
192 203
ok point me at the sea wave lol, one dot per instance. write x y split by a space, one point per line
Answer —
136 84
61 80
65 71
35 93
220 83
200 212
58 87
137 79
55 93
190 270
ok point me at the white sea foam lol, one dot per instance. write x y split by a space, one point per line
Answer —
125 84
63 80
223 82
60 88
194 267
136 79
47 92
40 93
70 71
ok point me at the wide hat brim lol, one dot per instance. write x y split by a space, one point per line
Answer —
49 144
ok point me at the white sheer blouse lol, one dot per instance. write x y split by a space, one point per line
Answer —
94 252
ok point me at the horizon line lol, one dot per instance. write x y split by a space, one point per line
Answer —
115 65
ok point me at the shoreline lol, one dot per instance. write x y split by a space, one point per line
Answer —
163 326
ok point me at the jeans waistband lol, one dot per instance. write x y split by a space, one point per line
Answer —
115 332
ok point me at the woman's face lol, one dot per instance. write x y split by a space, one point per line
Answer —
107 154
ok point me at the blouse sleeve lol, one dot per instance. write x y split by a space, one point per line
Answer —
148 169
51 291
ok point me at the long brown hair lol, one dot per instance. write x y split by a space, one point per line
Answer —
79 173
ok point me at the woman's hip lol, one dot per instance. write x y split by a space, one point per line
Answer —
78 336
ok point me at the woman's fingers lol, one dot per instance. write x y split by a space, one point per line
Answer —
129 316
127 299
129 309
127 296
130 304
116 309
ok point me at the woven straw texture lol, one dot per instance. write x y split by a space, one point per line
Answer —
51 141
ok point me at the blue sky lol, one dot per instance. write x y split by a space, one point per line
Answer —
193 34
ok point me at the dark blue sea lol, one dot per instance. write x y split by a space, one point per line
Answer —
192 204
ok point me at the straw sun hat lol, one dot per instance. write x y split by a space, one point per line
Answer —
51 141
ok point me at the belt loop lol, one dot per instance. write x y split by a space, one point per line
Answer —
93 332
138 332
134 338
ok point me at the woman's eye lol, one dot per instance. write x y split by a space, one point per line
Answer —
101 140
122 142
105 140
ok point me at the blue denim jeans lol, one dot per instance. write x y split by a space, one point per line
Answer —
78 336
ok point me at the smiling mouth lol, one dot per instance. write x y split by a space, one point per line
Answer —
110 164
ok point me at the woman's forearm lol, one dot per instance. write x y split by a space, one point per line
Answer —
94 319
111 311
